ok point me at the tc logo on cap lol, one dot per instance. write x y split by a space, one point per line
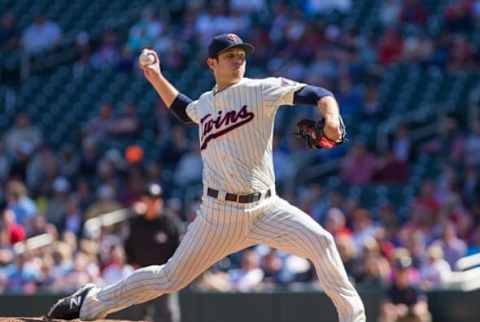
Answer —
233 37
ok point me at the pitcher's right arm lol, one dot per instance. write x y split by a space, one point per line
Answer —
171 97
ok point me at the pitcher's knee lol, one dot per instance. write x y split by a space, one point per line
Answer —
326 239
170 282
174 285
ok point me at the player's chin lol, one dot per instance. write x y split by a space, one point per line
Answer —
238 72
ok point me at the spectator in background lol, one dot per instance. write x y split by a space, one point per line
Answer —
80 274
248 6
21 276
41 35
105 203
127 123
349 97
413 12
390 170
46 279
116 268
154 227
405 302
39 225
436 271
474 244
371 107
174 146
390 12
461 54
6 249
325 7
418 48
459 17
4 162
249 276
72 219
145 32
390 47
18 201
348 253
14 231
42 170
364 228
273 270
62 256
69 161
57 204
472 145
189 168
98 128
356 158
22 136
426 202
336 223
108 53
374 272
401 145
470 183
453 247
9 33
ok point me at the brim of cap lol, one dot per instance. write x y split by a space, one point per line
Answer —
249 48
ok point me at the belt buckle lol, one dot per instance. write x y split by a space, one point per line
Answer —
232 197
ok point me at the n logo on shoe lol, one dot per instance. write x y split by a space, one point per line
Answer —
75 301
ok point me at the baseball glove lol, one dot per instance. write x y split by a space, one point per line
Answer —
312 133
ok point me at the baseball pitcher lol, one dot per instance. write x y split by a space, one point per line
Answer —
240 207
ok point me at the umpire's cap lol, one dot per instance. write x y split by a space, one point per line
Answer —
153 190
223 42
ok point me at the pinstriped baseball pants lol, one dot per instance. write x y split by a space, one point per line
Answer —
222 228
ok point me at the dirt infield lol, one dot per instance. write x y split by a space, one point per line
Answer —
44 319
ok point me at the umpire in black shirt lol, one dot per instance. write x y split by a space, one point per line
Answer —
154 235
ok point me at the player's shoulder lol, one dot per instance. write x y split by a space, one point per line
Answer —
206 96
260 82
276 81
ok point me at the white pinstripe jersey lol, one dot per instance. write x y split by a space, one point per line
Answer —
236 130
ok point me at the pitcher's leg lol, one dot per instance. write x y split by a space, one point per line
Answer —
205 243
288 228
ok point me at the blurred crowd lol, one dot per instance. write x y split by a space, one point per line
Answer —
54 189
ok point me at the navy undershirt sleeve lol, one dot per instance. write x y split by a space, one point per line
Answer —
310 95
179 107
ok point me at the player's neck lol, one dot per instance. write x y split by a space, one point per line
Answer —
221 85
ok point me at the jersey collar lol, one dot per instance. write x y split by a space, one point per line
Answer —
215 90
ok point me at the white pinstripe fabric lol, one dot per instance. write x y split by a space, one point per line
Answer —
222 228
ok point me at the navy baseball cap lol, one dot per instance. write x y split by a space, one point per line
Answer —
153 190
226 41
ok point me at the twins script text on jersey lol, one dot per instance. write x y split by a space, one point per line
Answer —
223 124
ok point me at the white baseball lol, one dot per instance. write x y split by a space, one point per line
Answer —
147 58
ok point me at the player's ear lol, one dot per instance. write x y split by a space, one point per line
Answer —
211 62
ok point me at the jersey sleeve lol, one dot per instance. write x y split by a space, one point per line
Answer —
192 111
279 91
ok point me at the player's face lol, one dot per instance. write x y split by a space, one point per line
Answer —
153 206
229 65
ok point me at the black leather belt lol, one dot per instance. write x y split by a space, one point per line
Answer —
252 197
